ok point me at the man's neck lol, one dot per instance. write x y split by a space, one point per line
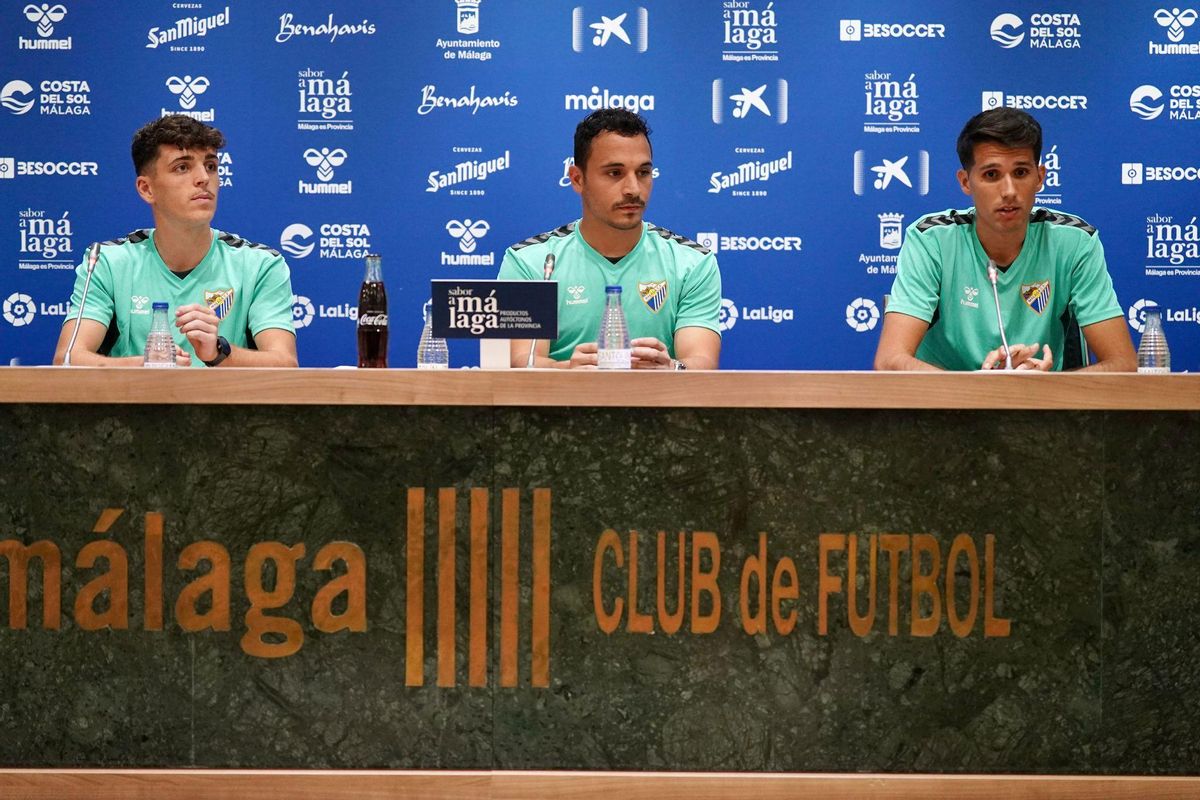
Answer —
608 241
1002 250
182 249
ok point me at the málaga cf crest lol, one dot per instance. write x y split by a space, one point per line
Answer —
219 300
654 294
1036 295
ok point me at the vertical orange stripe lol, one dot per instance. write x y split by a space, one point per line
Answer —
510 533
154 571
541 588
414 643
479 587
446 524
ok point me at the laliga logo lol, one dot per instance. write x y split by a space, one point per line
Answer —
467 232
19 309
1137 314
187 88
610 28
15 96
1006 31
728 316
862 315
46 15
1174 21
294 240
1138 104
325 160
303 311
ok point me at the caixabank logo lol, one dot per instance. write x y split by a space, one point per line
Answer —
765 101
626 31
892 172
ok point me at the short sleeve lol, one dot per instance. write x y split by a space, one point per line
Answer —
918 285
271 306
700 297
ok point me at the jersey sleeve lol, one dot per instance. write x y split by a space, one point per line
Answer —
1092 297
700 297
271 306
99 306
918 283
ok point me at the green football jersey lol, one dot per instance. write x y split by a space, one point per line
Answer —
248 286
942 279
667 282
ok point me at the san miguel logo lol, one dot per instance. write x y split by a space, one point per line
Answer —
1036 295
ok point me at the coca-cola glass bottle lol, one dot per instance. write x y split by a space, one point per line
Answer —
373 317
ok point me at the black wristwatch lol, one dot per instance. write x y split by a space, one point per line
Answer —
223 351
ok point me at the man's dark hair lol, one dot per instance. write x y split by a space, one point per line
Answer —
616 120
1007 127
174 130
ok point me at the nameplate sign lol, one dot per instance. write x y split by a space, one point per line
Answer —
473 309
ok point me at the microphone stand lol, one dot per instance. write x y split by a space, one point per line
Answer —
547 271
992 272
93 256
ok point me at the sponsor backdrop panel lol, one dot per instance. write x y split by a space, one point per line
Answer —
797 140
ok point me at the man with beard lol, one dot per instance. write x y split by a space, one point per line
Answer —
1048 266
671 286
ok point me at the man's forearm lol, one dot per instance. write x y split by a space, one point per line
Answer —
244 357
904 362
1112 365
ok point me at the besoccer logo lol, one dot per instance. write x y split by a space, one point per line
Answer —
468 232
1132 173
1140 101
295 240
19 309
303 312
1137 314
188 88
45 16
750 100
1006 31
862 315
611 28
325 160
728 315
16 96
1175 21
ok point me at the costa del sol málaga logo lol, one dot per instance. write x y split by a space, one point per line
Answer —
296 240
1140 101
17 97
1006 31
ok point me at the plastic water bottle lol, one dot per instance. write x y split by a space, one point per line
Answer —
432 352
160 345
612 344
1153 354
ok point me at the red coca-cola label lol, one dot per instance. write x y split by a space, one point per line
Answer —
372 320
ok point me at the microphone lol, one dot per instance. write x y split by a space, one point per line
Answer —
992 272
547 271
93 255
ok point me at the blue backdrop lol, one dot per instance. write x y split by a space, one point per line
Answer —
436 133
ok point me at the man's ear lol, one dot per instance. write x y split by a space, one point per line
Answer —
962 182
144 189
576 176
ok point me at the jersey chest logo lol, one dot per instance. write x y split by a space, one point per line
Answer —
219 300
653 294
1036 295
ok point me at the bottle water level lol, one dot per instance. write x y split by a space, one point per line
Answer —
432 352
160 345
1153 355
612 343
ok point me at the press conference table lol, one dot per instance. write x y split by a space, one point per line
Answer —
542 584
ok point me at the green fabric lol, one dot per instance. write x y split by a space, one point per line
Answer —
693 284
943 270
129 276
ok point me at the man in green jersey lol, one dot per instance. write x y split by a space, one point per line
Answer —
942 314
671 286
231 299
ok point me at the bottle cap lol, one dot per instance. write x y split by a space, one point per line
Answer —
612 289
159 304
